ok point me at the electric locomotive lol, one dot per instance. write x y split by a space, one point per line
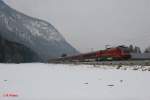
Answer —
109 54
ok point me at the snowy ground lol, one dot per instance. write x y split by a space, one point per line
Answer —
72 82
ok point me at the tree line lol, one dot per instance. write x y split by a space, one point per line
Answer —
136 49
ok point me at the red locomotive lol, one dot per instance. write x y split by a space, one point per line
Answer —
116 53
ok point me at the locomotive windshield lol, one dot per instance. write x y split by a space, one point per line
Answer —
125 49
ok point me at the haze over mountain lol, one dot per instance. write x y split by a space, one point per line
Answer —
94 23
38 35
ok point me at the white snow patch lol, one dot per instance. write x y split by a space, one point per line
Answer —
42 29
72 82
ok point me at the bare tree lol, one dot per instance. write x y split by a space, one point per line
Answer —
131 48
134 49
137 49
147 50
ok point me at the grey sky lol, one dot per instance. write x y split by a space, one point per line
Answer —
90 24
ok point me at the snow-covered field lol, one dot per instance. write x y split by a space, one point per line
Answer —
72 82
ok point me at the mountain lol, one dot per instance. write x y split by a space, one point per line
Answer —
38 35
12 52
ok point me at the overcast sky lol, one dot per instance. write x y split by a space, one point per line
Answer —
93 24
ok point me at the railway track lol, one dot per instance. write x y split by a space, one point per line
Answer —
127 62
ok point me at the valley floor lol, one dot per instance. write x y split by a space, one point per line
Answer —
72 82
